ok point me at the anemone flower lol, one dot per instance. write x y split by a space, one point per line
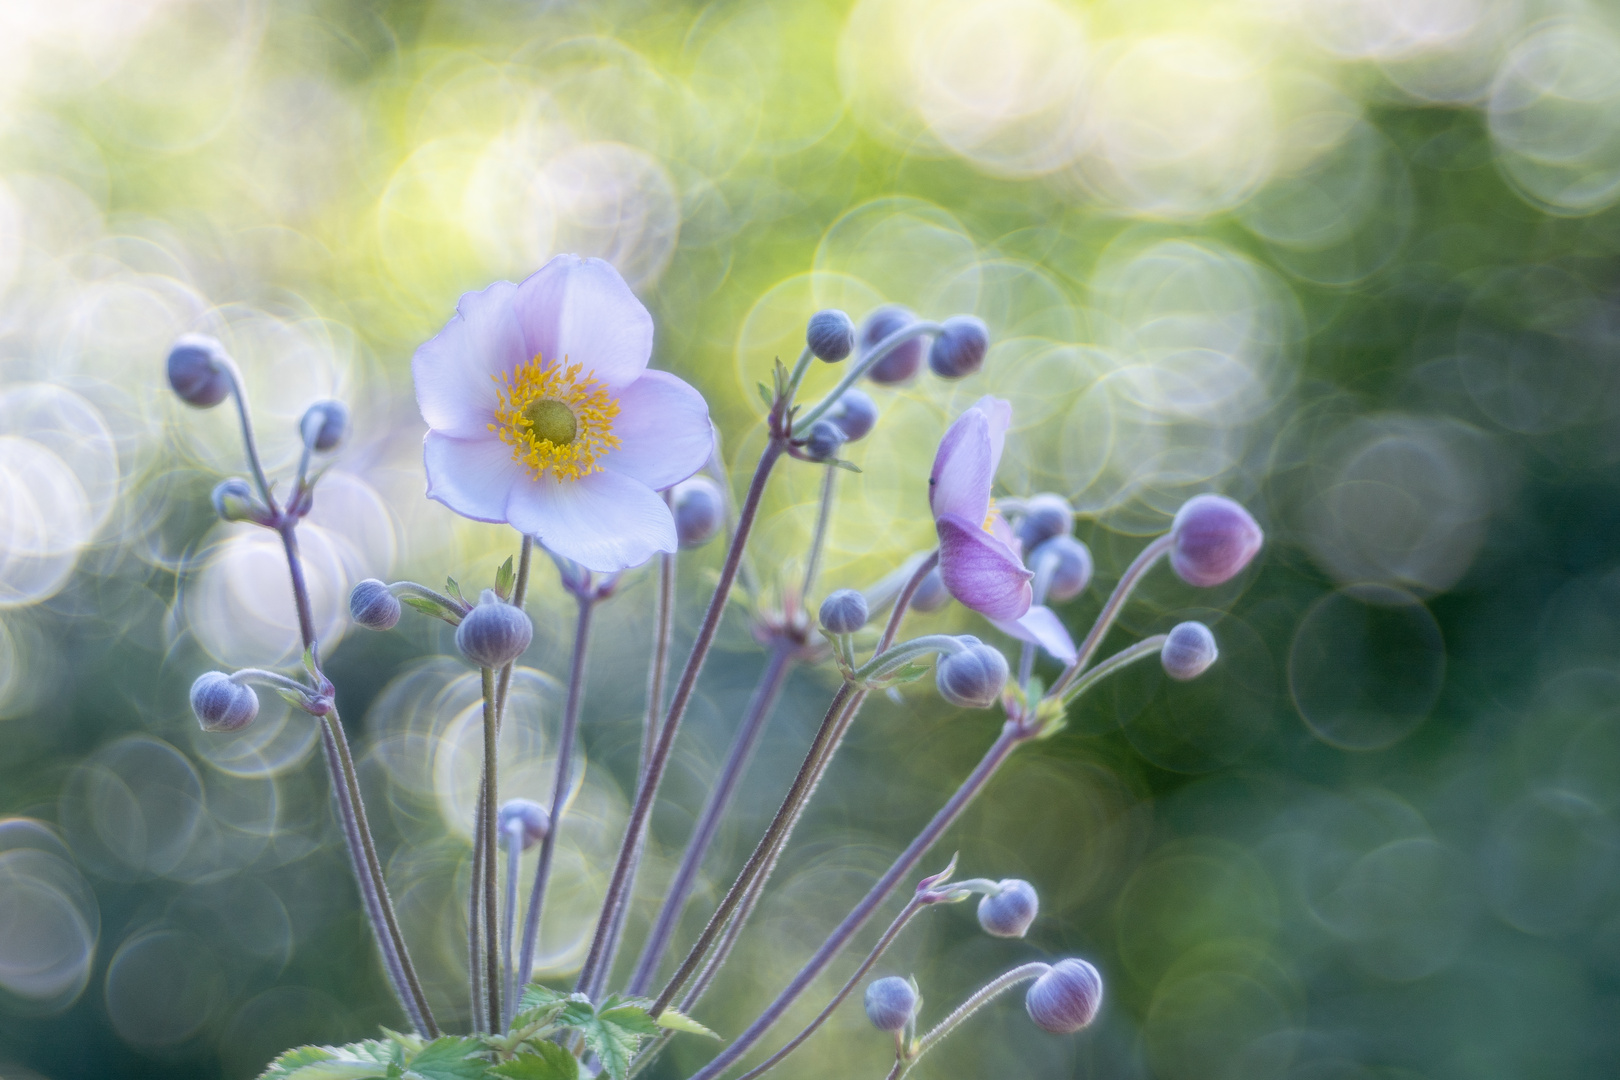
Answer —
542 414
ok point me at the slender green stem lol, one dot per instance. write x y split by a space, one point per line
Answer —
801 367
492 966
1148 646
251 444
658 667
986 994
898 656
860 368
818 539
1105 619
514 856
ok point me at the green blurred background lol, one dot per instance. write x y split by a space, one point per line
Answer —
1353 262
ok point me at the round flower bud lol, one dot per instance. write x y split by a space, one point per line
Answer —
1065 999
856 413
830 335
1188 651
823 441
890 1003
196 372
536 822
223 705
931 594
1045 515
901 364
234 500
844 611
700 510
324 425
971 679
1009 912
959 349
1071 570
373 606
494 632
1213 539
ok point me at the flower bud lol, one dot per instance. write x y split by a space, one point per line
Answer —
823 441
494 632
235 500
531 815
324 425
700 510
959 349
1045 515
1009 912
196 372
890 1003
972 679
830 335
373 606
856 413
901 364
931 594
222 705
1213 539
1071 569
1066 998
844 611
1188 651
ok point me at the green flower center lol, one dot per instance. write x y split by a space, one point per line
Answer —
552 421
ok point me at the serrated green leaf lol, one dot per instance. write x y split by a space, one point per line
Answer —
631 1018
292 1060
612 1045
369 1060
535 995
449 1058
679 1021
453 589
505 578
548 1062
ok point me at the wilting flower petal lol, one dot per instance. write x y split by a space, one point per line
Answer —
981 571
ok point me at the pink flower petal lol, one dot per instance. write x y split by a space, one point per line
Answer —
959 483
453 370
581 311
605 521
473 477
663 430
981 571
1041 626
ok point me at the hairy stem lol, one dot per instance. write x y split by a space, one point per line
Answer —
492 966
982 997
1110 611
829 484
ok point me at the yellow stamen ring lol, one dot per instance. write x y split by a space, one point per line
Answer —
555 419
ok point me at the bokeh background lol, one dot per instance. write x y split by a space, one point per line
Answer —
1353 262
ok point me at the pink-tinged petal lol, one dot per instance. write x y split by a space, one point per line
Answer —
453 371
1041 626
605 521
473 477
580 310
981 571
998 414
663 430
959 483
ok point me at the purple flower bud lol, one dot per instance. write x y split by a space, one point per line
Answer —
373 606
196 372
844 611
1214 538
235 500
324 425
959 349
972 679
901 364
823 441
830 335
931 594
890 1003
1188 651
700 510
1071 569
536 822
1045 515
1009 912
1066 998
222 705
494 632
856 413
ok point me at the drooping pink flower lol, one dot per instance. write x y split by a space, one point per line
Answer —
543 414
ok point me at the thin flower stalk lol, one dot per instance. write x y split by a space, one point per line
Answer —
492 966
883 348
985 994
1144 561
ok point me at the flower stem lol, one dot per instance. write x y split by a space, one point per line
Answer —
492 966
658 668
985 994
514 856
1105 619
829 484
1148 646
865 364
251 444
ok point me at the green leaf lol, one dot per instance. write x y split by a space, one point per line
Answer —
631 1018
906 673
612 1045
453 589
679 1021
847 466
296 700
549 1062
505 578
369 1060
451 1057
765 394
535 995
291 1061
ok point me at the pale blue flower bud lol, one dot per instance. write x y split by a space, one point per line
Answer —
1045 515
901 364
830 335
890 1003
235 500
1071 566
222 705
373 606
931 594
844 611
959 349
823 441
1066 998
1188 651
700 510
1213 540
971 679
1009 912
324 425
533 818
196 371
494 632
856 413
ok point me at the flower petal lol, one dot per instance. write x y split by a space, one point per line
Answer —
473 477
605 521
1041 626
452 370
959 483
663 429
582 311
981 571
998 413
